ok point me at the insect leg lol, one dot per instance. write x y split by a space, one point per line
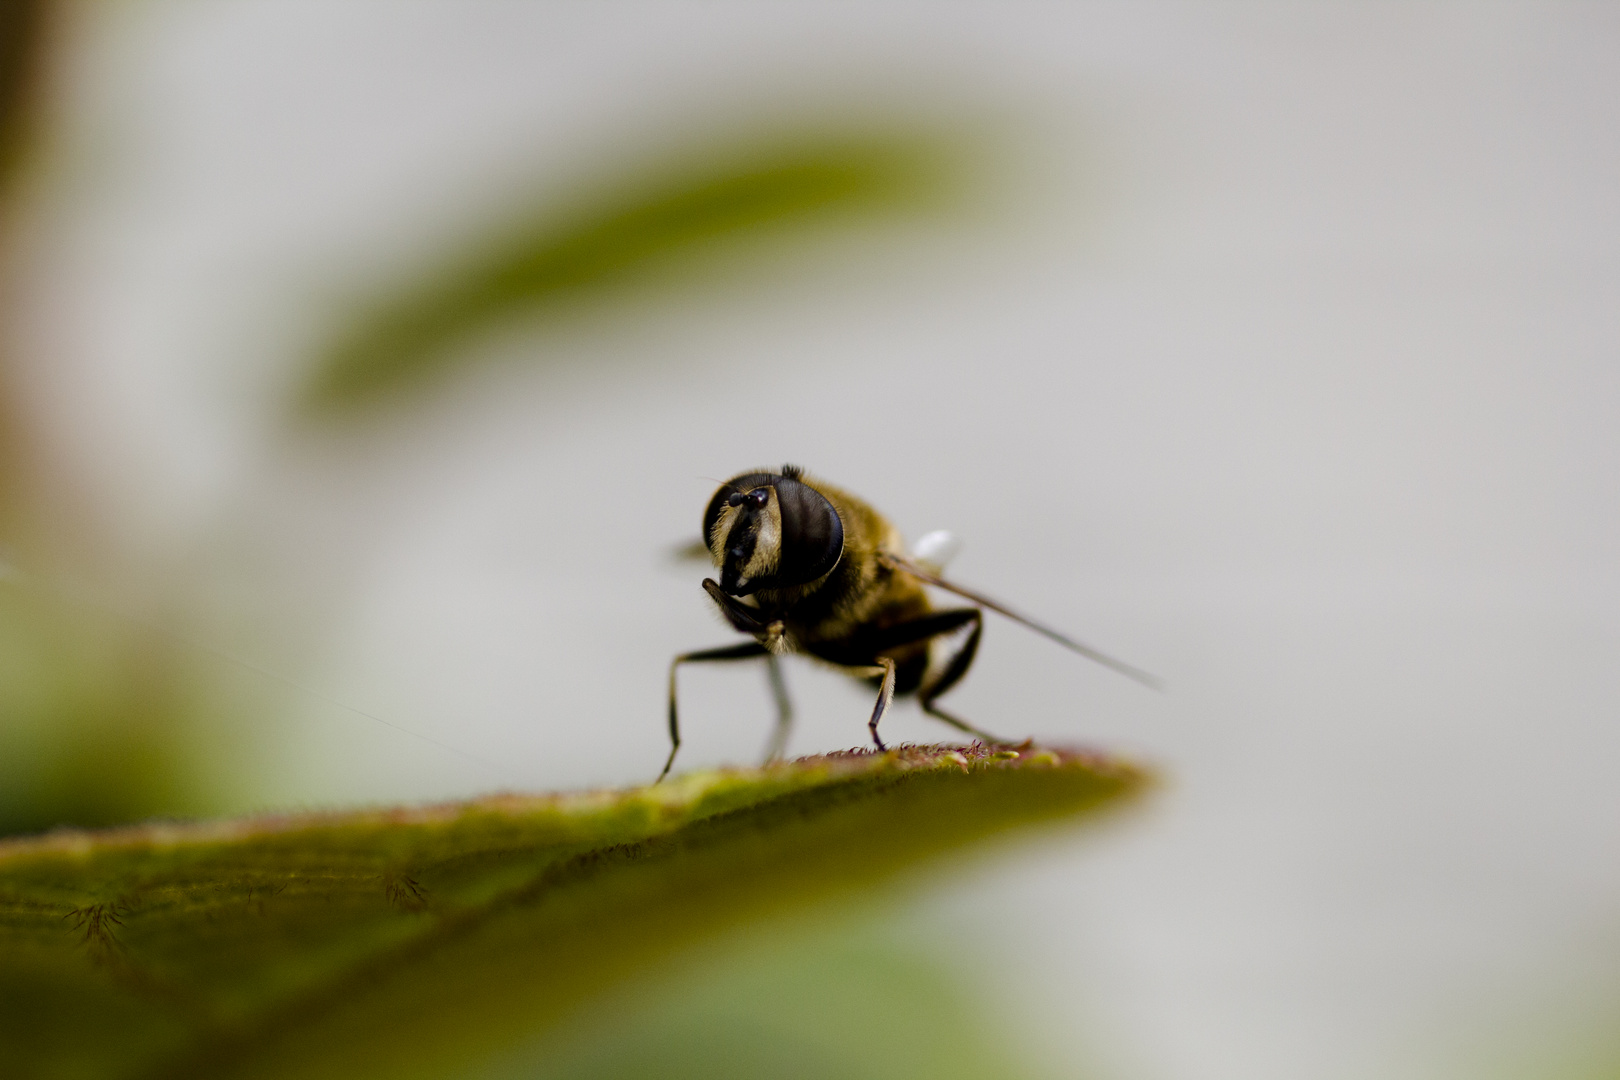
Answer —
784 709
743 619
955 668
885 695
920 628
744 651
906 633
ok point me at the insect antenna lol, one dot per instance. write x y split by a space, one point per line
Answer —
723 483
1153 682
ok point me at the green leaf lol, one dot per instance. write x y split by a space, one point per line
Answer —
668 214
414 942
96 714
852 993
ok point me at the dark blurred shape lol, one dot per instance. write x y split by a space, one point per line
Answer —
23 25
668 212
90 708
22 33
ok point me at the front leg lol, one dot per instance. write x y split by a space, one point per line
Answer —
745 619
745 651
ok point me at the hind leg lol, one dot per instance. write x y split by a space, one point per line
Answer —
955 668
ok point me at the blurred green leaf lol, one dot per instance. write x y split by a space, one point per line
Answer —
95 716
661 217
25 32
414 943
92 715
851 996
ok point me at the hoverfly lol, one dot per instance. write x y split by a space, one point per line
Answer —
808 568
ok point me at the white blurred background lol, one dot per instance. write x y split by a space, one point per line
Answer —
1277 355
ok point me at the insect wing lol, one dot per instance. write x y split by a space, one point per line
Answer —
922 574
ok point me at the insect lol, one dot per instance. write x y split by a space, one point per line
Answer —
808 568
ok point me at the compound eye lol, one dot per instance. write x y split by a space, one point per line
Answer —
812 533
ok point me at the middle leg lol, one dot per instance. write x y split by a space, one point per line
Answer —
910 632
784 709
885 696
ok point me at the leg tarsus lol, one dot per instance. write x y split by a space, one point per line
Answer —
885 696
674 747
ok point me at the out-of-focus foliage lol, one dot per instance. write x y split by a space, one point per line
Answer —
658 219
93 712
22 25
854 997
22 31
415 943
94 715
99 717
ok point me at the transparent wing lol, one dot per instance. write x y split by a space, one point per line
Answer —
922 573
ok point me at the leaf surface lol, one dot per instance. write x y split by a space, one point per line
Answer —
412 942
